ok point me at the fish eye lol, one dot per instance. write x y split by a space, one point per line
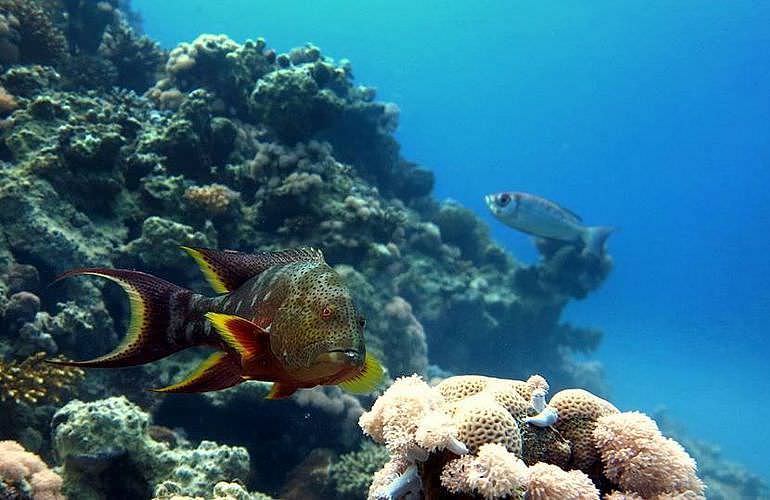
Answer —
504 199
361 322
326 313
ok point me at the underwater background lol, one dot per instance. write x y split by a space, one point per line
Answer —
373 131
648 116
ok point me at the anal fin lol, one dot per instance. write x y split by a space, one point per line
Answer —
219 371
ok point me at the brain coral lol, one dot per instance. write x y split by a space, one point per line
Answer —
579 411
481 420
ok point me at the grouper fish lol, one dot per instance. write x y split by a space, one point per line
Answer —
284 317
543 218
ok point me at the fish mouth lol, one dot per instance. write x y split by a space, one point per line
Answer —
347 356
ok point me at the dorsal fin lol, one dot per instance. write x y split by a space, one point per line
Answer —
226 270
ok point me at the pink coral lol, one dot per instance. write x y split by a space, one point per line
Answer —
28 473
493 472
546 481
638 458
396 416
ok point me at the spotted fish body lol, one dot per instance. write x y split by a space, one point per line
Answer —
543 218
284 317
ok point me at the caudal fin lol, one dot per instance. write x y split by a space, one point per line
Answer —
157 310
594 238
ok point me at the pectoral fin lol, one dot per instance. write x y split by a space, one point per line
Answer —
367 379
248 339
219 371
280 391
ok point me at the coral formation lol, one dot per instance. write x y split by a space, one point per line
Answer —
29 34
25 475
479 448
222 491
34 382
96 440
492 472
546 481
352 473
640 460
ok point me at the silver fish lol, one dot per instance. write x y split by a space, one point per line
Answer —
543 218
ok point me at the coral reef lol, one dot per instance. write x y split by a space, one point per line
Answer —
25 475
141 181
475 436
101 441
237 146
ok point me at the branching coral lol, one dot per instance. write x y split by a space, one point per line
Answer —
33 382
25 475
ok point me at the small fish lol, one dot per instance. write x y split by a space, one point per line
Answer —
545 418
545 219
283 317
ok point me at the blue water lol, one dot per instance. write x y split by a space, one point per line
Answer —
651 116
